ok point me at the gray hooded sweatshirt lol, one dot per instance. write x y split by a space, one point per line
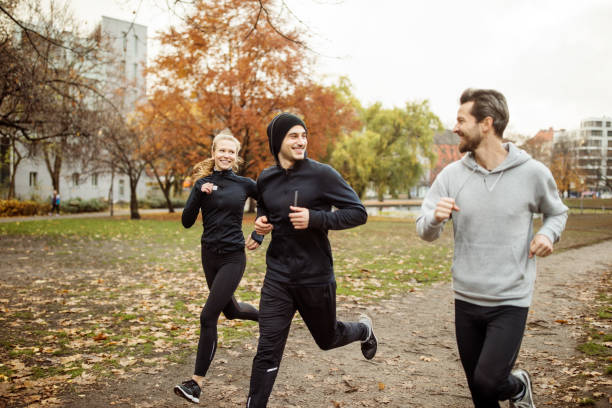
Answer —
494 225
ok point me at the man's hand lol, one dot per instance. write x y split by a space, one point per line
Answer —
262 226
251 244
540 246
207 188
444 209
299 217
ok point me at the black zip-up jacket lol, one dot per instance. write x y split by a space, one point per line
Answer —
222 210
304 256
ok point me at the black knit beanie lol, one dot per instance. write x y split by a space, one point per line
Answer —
278 128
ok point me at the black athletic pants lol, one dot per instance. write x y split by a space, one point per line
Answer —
277 306
489 339
223 274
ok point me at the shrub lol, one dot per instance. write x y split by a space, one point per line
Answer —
160 202
78 205
14 208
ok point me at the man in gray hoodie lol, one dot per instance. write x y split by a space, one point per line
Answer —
491 195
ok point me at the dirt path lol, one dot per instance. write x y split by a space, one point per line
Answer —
416 365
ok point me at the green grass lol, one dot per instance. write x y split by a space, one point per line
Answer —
586 401
5 371
605 312
21 352
42 372
593 349
25 315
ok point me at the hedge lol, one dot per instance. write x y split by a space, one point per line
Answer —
78 205
160 202
14 208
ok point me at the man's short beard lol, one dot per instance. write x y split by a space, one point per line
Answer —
470 145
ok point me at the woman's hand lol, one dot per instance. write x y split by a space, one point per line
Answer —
207 188
251 244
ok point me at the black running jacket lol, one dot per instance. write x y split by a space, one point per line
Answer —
222 210
304 256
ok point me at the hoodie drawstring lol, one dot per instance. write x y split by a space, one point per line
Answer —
464 183
494 184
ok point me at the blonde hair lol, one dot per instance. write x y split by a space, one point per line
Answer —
205 167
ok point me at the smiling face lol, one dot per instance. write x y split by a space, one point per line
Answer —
467 129
225 154
293 147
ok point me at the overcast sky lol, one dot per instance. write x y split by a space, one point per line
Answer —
551 58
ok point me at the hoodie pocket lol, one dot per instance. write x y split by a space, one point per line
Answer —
488 271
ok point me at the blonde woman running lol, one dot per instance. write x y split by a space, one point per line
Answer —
220 194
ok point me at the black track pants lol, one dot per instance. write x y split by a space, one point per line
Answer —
223 274
277 306
489 339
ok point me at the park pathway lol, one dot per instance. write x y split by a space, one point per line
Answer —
416 365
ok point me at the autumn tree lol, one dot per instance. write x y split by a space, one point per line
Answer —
402 148
354 157
118 147
48 81
540 146
229 68
329 111
564 165
164 153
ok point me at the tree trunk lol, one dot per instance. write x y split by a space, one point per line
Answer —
14 165
111 198
54 168
252 205
11 191
134 215
164 187
167 195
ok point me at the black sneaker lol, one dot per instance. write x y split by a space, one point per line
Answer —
370 344
190 390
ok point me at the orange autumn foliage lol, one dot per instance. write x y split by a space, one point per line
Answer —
229 68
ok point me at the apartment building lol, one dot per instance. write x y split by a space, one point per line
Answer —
594 152
124 74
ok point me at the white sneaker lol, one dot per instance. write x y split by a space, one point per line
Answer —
370 344
526 401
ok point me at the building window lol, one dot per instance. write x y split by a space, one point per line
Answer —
135 71
135 45
608 124
121 188
594 143
593 123
609 132
124 35
596 133
75 179
33 179
94 179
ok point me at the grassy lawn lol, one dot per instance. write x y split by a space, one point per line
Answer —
88 298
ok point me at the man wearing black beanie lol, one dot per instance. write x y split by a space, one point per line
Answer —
295 204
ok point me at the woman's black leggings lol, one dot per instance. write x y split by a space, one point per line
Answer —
223 274
489 339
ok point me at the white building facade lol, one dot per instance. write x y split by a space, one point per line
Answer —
32 179
595 152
